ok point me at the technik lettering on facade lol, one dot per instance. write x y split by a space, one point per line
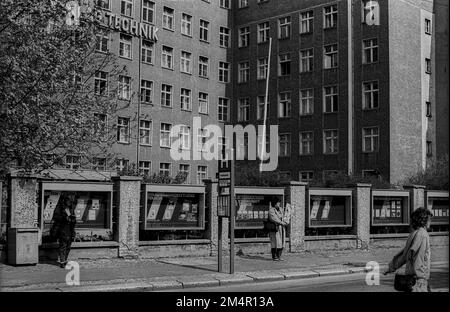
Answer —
129 26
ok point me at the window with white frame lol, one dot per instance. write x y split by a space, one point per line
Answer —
203 64
244 36
166 95
261 99
185 137
370 95
186 24
145 166
202 174
148 11
263 32
284 145
123 130
164 169
126 7
185 62
186 171
428 26
330 56
306 143
306 22
73 161
167 57
330 16
224 72
263 64
243 3
103 4
145 132
122 164
124 87
101 83
284 106
244 72
125 46
370 51
147 52
306 60
306 102
330 99
284 27
146 91
185 99
244 109
284 68
203 103
330 141
167 21
201 140
370 140
224 37
428 66
306 176
204 30
225 4
99 163
164 135
102 40
223 109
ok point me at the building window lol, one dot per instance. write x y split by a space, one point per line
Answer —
244 72
122 164
306 176
147 52
306 60
285 145
285 64
330 142
103 4
101 83
203 103
203 66
145 167
204 25
164 169
370 51
145 132
263 32
185 137
73 161
330 100
202 174
186 170
167 21
201 140
260 107
164 135
330 16
99 163
124 88
185 62
125 46
102 40
284 27
428 66
262 68
224 37
284 107
429 148
306 102
306 143
186 24
223 109
166 95
126 7
244 109
370 95
167 57
147 91
428 108
370 140
123 130
306 22
224 72
428 27
330 56
243 3
148 11
225 4
244 36
185 98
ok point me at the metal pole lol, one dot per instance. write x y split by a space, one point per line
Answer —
138 141
263 143
232 213
219 245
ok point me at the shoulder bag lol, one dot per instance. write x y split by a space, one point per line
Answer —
405 282
269 226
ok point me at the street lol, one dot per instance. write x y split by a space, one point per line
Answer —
339 283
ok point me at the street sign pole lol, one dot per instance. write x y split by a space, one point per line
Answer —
219 246
232 213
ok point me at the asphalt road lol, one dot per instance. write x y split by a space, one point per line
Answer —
339 283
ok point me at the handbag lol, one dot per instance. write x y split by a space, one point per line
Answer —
269 226
405 282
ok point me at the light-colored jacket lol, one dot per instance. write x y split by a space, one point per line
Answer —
278 238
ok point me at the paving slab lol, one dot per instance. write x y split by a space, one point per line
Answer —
331 272
197 281
232 279
265 276
296 274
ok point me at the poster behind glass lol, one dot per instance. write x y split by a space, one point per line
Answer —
439 208
252 210
388 210
328 210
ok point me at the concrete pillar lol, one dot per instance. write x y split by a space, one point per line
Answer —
23 201
128 190
295 195
417 195
361 211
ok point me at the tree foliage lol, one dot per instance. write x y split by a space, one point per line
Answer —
434 176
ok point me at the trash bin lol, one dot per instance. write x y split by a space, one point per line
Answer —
23 246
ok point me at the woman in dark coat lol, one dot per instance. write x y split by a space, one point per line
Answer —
64 229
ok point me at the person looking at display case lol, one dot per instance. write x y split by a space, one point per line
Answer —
278 215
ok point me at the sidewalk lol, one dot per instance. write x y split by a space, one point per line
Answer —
178 273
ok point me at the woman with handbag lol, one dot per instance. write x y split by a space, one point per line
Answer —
64 228
416 255
277 238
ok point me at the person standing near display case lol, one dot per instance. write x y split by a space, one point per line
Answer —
278 216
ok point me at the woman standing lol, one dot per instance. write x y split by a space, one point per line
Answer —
417 252
64 223
278 238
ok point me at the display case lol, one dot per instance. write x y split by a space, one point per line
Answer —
437 202
252 205
329 208
390 208
173 207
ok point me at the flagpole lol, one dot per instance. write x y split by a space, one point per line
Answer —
263 143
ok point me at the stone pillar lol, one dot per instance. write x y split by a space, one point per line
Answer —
361 212
128 190
23 201
295 195
417 196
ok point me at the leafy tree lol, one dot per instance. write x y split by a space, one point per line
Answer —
434 176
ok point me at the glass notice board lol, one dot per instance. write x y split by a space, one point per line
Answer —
253 209
329 208
439 206
390 208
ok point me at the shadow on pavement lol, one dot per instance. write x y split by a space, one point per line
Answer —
192 266
249 257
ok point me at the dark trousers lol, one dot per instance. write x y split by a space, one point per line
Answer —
64 249
276 253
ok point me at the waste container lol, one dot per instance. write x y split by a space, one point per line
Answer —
23 246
